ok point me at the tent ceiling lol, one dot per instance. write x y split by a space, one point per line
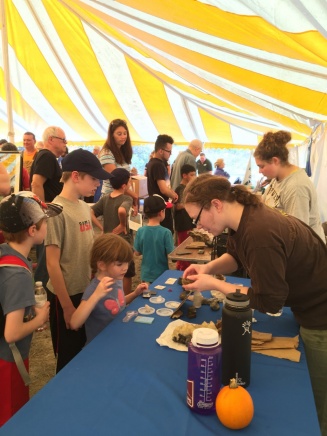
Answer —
220 70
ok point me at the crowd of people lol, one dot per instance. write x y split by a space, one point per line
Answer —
277 239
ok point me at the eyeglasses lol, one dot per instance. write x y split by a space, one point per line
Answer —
64 140
167 151
197 219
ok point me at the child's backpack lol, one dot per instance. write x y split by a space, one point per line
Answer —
15 262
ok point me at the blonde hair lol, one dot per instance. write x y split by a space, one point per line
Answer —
219 162
110 248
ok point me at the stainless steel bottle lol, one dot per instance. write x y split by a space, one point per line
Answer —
236 337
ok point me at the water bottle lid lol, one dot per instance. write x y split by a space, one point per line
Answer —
204 337
237 299
38 284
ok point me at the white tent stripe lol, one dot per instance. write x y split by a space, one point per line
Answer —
113 64
295 22
178 108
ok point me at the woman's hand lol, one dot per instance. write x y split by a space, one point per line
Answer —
195 268
201 282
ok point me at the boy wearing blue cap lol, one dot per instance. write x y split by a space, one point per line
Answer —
68 243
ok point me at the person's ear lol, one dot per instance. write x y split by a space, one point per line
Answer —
75 176
217 204
275 160
101 265
31 230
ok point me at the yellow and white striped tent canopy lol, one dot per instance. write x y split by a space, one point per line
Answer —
224 71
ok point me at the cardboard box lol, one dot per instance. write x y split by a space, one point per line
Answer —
140 186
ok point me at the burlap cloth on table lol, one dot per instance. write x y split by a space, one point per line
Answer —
280 347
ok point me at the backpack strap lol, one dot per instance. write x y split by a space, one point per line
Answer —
10 260
14 261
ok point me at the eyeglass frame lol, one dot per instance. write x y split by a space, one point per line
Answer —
195 222
167 151
64 140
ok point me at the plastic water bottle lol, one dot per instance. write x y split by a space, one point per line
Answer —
204 371
197 299
40 299
236 334
40 294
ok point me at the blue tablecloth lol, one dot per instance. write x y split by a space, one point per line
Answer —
124 383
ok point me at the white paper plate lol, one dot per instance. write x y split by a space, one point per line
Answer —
164 311
172 304
157 300
146 311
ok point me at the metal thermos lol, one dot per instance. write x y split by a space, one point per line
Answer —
204 371
236 334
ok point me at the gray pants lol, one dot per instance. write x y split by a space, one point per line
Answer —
315 345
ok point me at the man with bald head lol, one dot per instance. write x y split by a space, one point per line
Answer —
45 172
45 183
185 157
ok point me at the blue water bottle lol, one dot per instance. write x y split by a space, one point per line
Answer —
204 371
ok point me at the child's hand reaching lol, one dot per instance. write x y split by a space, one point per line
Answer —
141 288
104 287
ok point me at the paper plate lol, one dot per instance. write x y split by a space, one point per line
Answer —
146 310
172 304
157 300
164 311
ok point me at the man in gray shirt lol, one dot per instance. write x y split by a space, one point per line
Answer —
185 157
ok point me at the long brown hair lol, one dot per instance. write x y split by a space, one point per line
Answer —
125 152
273 145
207 187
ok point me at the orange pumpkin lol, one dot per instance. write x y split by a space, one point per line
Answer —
234 406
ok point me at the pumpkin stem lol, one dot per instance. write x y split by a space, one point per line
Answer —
233 383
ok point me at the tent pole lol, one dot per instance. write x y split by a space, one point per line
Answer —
11 133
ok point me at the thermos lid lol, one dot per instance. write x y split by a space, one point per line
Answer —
204 337
237 299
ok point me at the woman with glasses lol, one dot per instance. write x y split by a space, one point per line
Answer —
117 152
285 259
